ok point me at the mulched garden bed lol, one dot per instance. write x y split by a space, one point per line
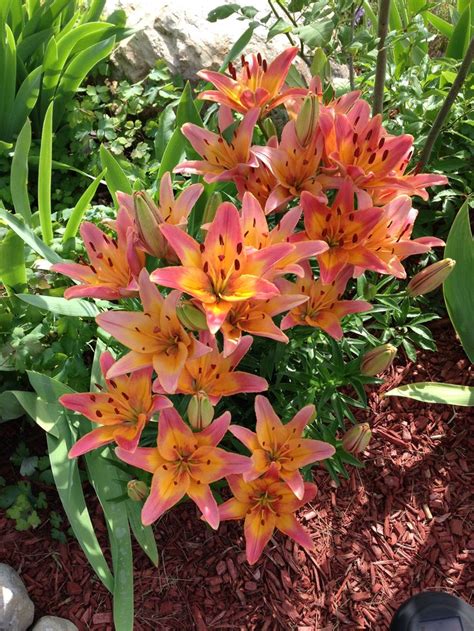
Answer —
400 525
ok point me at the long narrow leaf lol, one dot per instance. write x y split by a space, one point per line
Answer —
143 534
79 209
61 306
19 174
26 99
428 392
114 176
459 41
12 262
44 177
29 237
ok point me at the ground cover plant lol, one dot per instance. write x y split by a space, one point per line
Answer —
267 256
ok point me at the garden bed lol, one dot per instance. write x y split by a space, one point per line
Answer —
398 526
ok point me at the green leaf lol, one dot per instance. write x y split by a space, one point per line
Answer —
316 34
9 406
143 534
74 308
278 27
165 130
12 262
29 237
44 177
19 173
239 46
319 63
223 11
44 413
459 286
445 28
430 392
187 112
114 175
80 208
173 153
460 38
25 99
8 76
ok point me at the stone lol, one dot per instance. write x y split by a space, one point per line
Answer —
16 609
52 623
178 32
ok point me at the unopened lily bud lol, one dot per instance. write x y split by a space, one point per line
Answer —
137 490
269 127
357 438
378 359
307 120
191 317
212 204
147 218
430 278
200 411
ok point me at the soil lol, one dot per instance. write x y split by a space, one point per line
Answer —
400 525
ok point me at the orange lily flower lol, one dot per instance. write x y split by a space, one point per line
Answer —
294 166
341 104
258 84
220 271
222 160
259 181
155 336
345 230
184 463
122 410
114 263
266 504
214 374
279 447
324 309
390 239
148 216
357 146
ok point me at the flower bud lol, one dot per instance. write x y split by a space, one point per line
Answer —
212 204
191 317
430 278
377 360
307 119
269 127
137 490
356 439
148 219
200 411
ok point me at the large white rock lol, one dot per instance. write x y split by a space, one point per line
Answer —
178 32
16 609
52 623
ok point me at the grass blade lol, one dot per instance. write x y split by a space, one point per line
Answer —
44 177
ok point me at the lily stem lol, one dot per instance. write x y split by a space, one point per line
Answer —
377 106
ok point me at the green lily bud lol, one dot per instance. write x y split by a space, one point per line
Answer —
191 317
148 218
357 438
269 127
307 120
200 411
430 278
377 360
137 490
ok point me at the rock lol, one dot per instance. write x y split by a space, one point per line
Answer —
52 623
16 609
178 32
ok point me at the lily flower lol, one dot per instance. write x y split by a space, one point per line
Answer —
222 160
357 146
281 448
390 239
214 374
259 181
148 216
114 263
121 410
257 236
324 309
266 504
345 230
294 166
220 271
341 104
258 85
155 336
184 463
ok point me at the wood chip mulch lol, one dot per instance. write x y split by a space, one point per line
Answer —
400 525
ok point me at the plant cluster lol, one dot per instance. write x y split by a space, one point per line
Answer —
328 200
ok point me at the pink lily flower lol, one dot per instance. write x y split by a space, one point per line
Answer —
155 336
281 448
324 309
114 263
121 411
184 463
266 504
222 160
258 85
214 374
220 271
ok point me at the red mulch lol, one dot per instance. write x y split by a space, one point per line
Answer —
400 525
